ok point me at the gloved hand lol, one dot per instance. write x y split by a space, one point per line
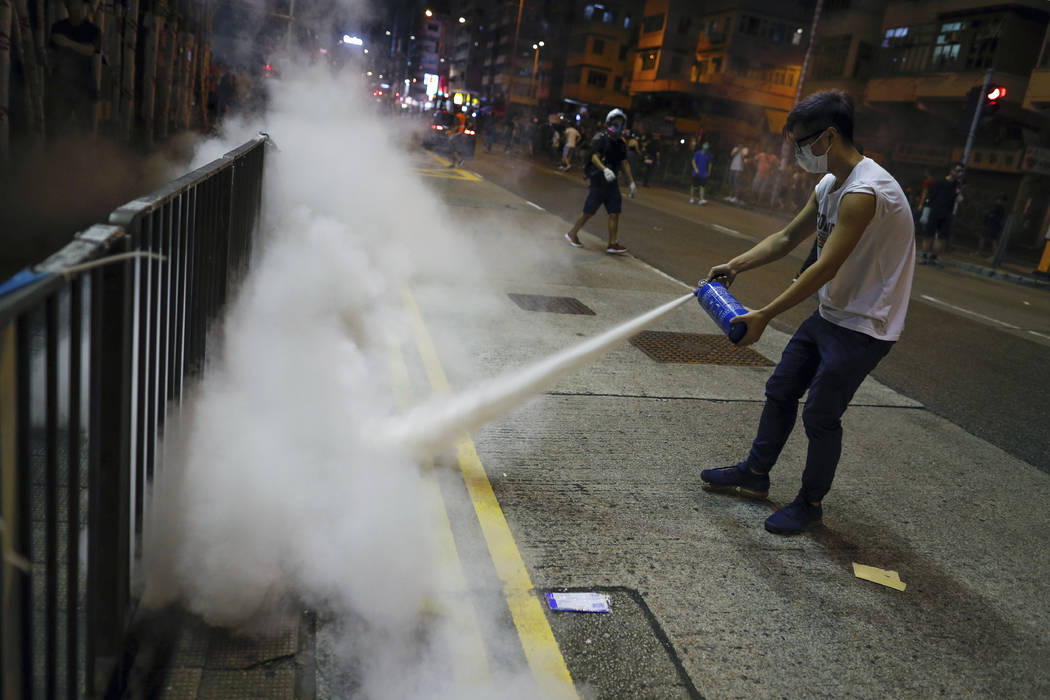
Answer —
610 176
634 188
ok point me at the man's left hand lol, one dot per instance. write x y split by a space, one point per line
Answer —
634 188
756 324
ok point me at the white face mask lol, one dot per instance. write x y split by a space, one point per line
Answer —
809 162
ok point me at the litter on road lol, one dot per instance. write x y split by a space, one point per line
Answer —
579 602
879 576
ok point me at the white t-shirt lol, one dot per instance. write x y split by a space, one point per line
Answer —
870 291
571 137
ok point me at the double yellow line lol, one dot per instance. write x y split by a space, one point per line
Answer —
541 649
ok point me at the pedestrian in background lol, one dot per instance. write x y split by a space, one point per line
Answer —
572 138
863 274
941 199
737 158
72 92
608 154
992 225
651 159
760 183
701 171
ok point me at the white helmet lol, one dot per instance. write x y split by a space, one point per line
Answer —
615 113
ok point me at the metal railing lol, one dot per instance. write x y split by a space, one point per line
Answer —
97 345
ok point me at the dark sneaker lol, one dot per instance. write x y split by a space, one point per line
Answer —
795 517
737 479
615 249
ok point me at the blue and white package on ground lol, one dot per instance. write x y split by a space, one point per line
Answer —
722 307
579 602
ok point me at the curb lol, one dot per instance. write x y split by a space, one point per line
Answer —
997 273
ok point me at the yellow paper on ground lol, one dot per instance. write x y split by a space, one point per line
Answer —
880 576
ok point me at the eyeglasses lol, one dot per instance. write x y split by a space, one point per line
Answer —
812 137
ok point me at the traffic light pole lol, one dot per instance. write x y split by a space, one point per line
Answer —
976 118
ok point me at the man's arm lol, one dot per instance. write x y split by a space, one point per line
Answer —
67 43
773 247
627 169
855 213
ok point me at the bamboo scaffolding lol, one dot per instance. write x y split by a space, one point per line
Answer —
130 43
5 81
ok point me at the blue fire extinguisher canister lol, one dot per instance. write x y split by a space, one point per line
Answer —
722 307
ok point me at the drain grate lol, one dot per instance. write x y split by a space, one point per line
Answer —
554 305
696 349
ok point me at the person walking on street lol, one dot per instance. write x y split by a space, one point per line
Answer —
608 154
701 171
572 138
992 225
941 199
651 161
736 171
863 276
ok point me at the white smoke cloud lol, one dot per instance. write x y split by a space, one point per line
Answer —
269 493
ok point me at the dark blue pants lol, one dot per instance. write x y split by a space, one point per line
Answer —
831 362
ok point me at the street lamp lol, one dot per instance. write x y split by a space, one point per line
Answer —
462 20
428 13
535 66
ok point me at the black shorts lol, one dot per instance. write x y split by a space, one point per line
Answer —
938 225
608 194
699 180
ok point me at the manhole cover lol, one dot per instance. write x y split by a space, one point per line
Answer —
697 349
554 305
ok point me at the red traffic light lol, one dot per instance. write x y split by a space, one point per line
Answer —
995 93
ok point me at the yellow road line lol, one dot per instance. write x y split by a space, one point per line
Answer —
469 660
537 639
459 173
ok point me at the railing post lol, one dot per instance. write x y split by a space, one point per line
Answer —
109 470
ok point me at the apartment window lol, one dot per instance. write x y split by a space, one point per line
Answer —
597 78
701 68
618 84
649 60
623 52
627 21
653 23
684 24
573 75
984 42
749 25
944 56
833 6
433 27
716 64
598 47
778 33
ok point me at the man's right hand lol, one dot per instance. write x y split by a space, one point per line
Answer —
610 176
723 274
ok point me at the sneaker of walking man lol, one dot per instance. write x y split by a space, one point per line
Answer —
607 155
862 276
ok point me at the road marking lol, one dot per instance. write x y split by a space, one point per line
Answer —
972 313
447 173
469 660
535 205
537 639
1041 335
730 231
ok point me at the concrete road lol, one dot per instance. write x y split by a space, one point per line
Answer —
594 485
976 350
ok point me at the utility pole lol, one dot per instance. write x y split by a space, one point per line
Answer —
514 56
976 118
